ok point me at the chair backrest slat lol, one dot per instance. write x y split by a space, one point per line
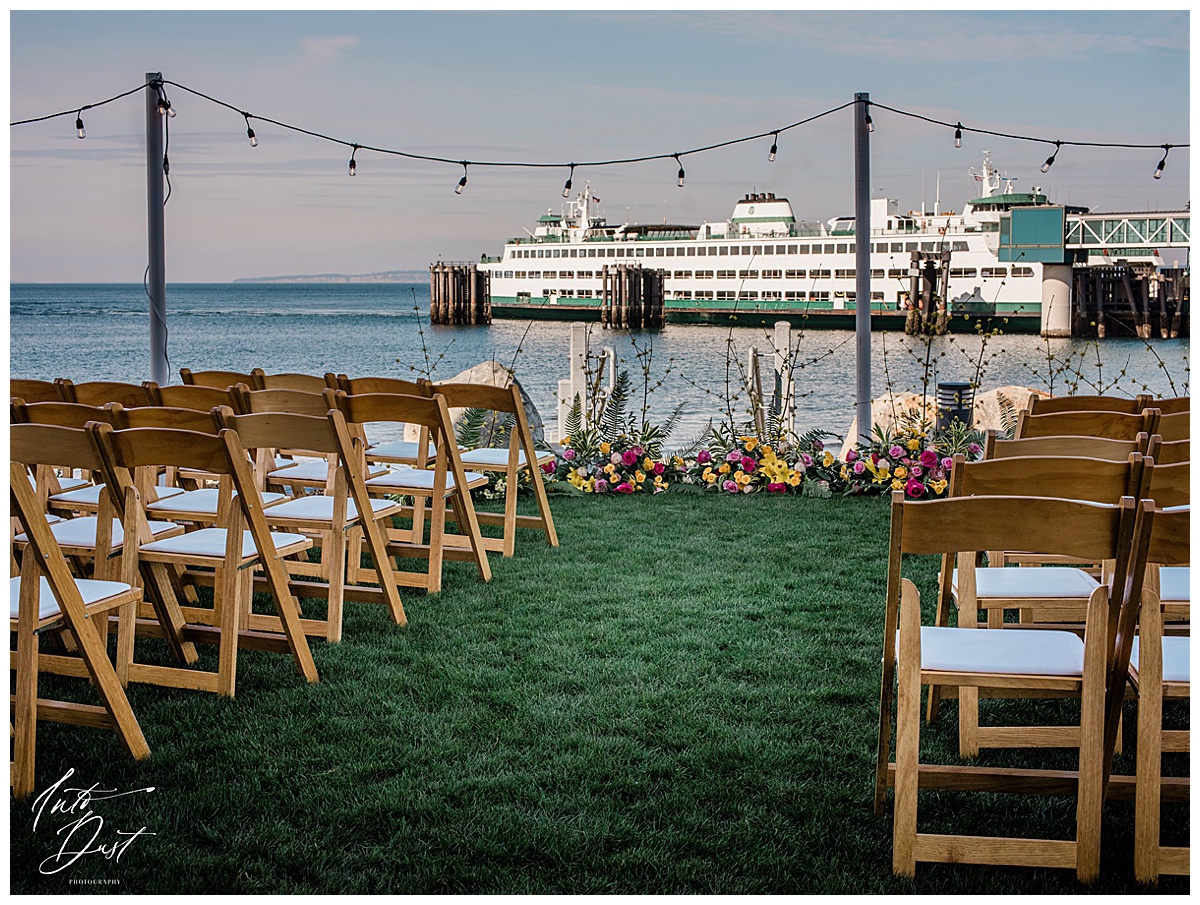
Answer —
221 380
1170 485
359 386
51 444
142 446
1176 426
34 390
1086 447
167 417
63 414
298 402
271 430
307 383
191 396
1041 405
1066 477
1113 425
99 392
479 395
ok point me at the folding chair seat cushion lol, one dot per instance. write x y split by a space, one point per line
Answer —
419 479
1033 653
64 482
210 542
313 470
320 509
81 532
398 449
1175 584
90 495
1032 582
90 589
496 457
203 501
1176 657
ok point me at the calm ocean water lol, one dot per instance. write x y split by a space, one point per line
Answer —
99 332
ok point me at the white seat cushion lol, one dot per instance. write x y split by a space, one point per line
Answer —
417 479
90 495
203 501
1001 651
1177 653
81 532
211 542
1041 581
491 457
313 470
91 590
1175 583
320 509
398 449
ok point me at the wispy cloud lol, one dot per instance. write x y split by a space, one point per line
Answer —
328 48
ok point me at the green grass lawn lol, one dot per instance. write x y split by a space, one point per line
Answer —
680 699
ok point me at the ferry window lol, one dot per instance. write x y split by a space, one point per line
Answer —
926 246
535 275
704 274
745 249
772 295
683 274
963 273
844 274
705 294
683 295
757 250
724 294
519 275
726 274
958 246
567 274
557 252
803 249
897 246
659 252
881 246
747 295
748 274
550 275
792 249
851 249
992 272
670 252
829 249
641 252
795 274
724 249
877 296
508 274
819 296
910 246
691 250
541 252
841 249
546 293
566 292
585 293
780 249
790 295
1022 271
897 274
523 295
877 274
819 274
768 249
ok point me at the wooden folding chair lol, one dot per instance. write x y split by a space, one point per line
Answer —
996 447
190 396
1159 668
1177 426
53 482
1042 405
1053 593
230 552
46 597
1094 668
329 518
446 482
99 392
219 379
520 458
1113 425
305 383
400 451
34 390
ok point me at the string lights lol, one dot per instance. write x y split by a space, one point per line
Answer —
1050 160
1163 163
166 108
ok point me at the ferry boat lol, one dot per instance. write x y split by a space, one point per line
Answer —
763 265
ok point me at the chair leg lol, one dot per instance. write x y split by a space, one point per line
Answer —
908 735
333 557
1146 830
25 701
228 587
512 479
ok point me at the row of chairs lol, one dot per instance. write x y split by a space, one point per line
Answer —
155 544
1086 499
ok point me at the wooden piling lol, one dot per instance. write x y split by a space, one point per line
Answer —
459 294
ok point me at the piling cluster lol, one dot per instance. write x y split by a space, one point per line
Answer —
632 297
459 294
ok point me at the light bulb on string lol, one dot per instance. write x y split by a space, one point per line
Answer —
1050 160
567 185
250 131
79 125
958 136
774 147
1162 164
869 121
462 183
353 165
164 105
679 175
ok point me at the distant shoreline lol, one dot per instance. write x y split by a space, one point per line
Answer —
387 276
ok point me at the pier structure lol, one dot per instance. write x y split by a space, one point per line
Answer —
459 294
1131 299
632 296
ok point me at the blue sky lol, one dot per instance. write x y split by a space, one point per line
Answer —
552 87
